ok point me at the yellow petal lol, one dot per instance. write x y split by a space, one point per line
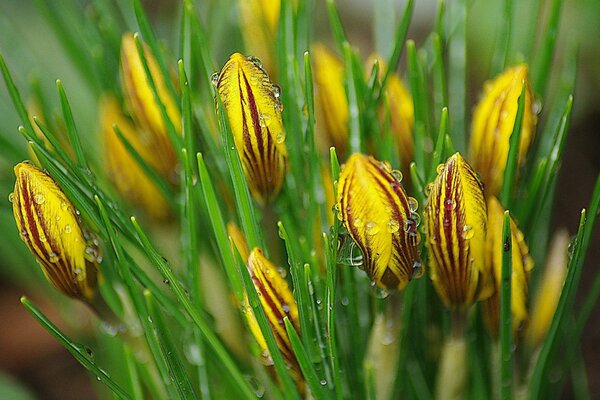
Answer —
493 121
455 218
522 264
381 219
122 168
549 289
330 98
49 226
252 106
259 24
278 302
140 100
401 109
239 240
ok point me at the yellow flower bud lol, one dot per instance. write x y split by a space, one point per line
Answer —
493 122
259 23
549 289
49 226
143 106
330 98
252 105
122 168
402 114
381 219
278 302
455 220
522 264
239 241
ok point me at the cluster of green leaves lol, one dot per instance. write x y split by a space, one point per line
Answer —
337 306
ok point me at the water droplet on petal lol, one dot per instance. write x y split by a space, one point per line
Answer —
393 226
68 228
39 198
256 61
413 204
276 91
53 257
11 197
467 232
449 204
439 168
397 174
417 270
214 79
372 228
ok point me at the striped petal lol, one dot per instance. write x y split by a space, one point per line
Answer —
330 97
49 226
278 302
522 264
252 105
122 168
493 121
455 218
143 106
381 219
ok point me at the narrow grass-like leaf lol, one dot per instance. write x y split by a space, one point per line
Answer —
457 72
220 229
543 63
579 251
78 351
503 50
169 351
506 329
134 379
208 334
71 127
243 201
440 93
438 151
510 171
16 97
383 25
355 138
308 370
420 104
259 313
417 182
335 23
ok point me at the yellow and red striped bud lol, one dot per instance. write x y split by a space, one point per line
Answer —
381 219
143 106
278 302
252 105
522 264
122 168
493 121
401 107
50 227
455 220
330 98
259 24
549 289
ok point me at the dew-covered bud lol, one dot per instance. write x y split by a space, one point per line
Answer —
330 98
122 168
259 21
381 219
549 289
455 220
145 108
493 121
50 227
401 110
277 302
522 264
252 105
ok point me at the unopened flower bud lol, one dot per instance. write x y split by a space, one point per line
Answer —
455 219
49 226
144 107
493 122
381 219
522 264
122 168
252 105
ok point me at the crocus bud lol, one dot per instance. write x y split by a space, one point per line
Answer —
493 122
278 302
401 108
252 105
144 107
381 219
122 168
549 289
49 226
455 220
259 23
330 98
522 264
